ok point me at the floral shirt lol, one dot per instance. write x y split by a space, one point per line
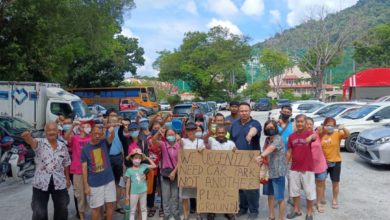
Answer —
277 159
48 163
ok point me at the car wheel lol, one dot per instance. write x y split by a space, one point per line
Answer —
350 143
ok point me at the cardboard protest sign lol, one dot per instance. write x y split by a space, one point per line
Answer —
218 175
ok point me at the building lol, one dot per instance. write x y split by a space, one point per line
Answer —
300 83
368 84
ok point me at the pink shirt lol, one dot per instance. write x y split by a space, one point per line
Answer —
76 144
319 162
173 153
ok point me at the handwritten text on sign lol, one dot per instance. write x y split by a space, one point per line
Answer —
218 175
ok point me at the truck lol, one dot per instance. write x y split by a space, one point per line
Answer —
38 102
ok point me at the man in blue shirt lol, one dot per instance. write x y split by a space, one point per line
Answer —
245 133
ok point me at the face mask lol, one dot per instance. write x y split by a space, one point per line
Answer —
134 134
144 125
168 125
154 131
270 132
137 162
87 130
330 129
285 117
66 127
199 134
171 138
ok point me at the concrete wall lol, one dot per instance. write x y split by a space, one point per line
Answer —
370 92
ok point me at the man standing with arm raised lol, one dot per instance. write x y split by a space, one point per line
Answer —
245 133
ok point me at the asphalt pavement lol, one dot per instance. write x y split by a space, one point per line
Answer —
364 194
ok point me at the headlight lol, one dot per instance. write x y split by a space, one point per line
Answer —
383 140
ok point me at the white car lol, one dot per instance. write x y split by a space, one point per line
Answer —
165 106
222 105
368 116
329 106
299 107
383 99
336 113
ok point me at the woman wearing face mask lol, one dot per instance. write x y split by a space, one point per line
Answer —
135 141
136 182
274 151
190 143
76 143
330 141
144 126
319 164
169 153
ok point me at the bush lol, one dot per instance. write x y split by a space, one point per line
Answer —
173 100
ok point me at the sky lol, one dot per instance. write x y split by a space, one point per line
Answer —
161 24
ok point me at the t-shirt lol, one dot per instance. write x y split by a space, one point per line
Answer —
302 159
277 162
193 145
76 144
286 133
239 131
319 162
215 145
116 145
154 152
232 120
331 145
169 161
99 167
137 178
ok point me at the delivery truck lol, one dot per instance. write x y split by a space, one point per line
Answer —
38 103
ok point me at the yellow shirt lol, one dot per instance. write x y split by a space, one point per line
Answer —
331 145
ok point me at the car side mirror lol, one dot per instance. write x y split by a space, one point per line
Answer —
377 118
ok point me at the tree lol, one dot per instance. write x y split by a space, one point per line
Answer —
373 49
257 90
324 43
207 61
60 40
275 62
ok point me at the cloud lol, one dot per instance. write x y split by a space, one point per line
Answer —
128 33
253 7
299 9
226 24
191 7
275 16
223 8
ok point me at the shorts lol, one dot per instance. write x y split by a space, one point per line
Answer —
275 187
302 180
335 171
321 176
101 195
117 167
187 193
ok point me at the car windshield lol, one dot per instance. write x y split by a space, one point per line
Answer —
14 125
80 109
334 112
129 114
315 108
179 110
361 112
263 101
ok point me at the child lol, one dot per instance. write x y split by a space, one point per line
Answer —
137 180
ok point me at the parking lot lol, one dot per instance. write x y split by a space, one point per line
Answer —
364 193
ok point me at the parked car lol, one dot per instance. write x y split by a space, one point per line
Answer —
213 106
96 109
328 106
264 104
13 127
373 145
184 110
383 99
222 105
368 116
130 114
282 102
205 108
164 106
336 112
145 110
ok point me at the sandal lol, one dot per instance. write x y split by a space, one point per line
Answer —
335 206
320 209
120 210
161 213
269 218
293 215
152 212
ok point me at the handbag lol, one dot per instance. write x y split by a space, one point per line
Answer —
165 172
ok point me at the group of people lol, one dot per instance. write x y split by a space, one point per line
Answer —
122 162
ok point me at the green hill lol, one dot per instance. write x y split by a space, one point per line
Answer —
369 12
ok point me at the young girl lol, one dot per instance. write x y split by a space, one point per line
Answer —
137 180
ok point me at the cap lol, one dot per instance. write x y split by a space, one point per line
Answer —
136 151
133 126
144 120
234 103
190 126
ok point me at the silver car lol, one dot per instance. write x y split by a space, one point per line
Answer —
373 145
